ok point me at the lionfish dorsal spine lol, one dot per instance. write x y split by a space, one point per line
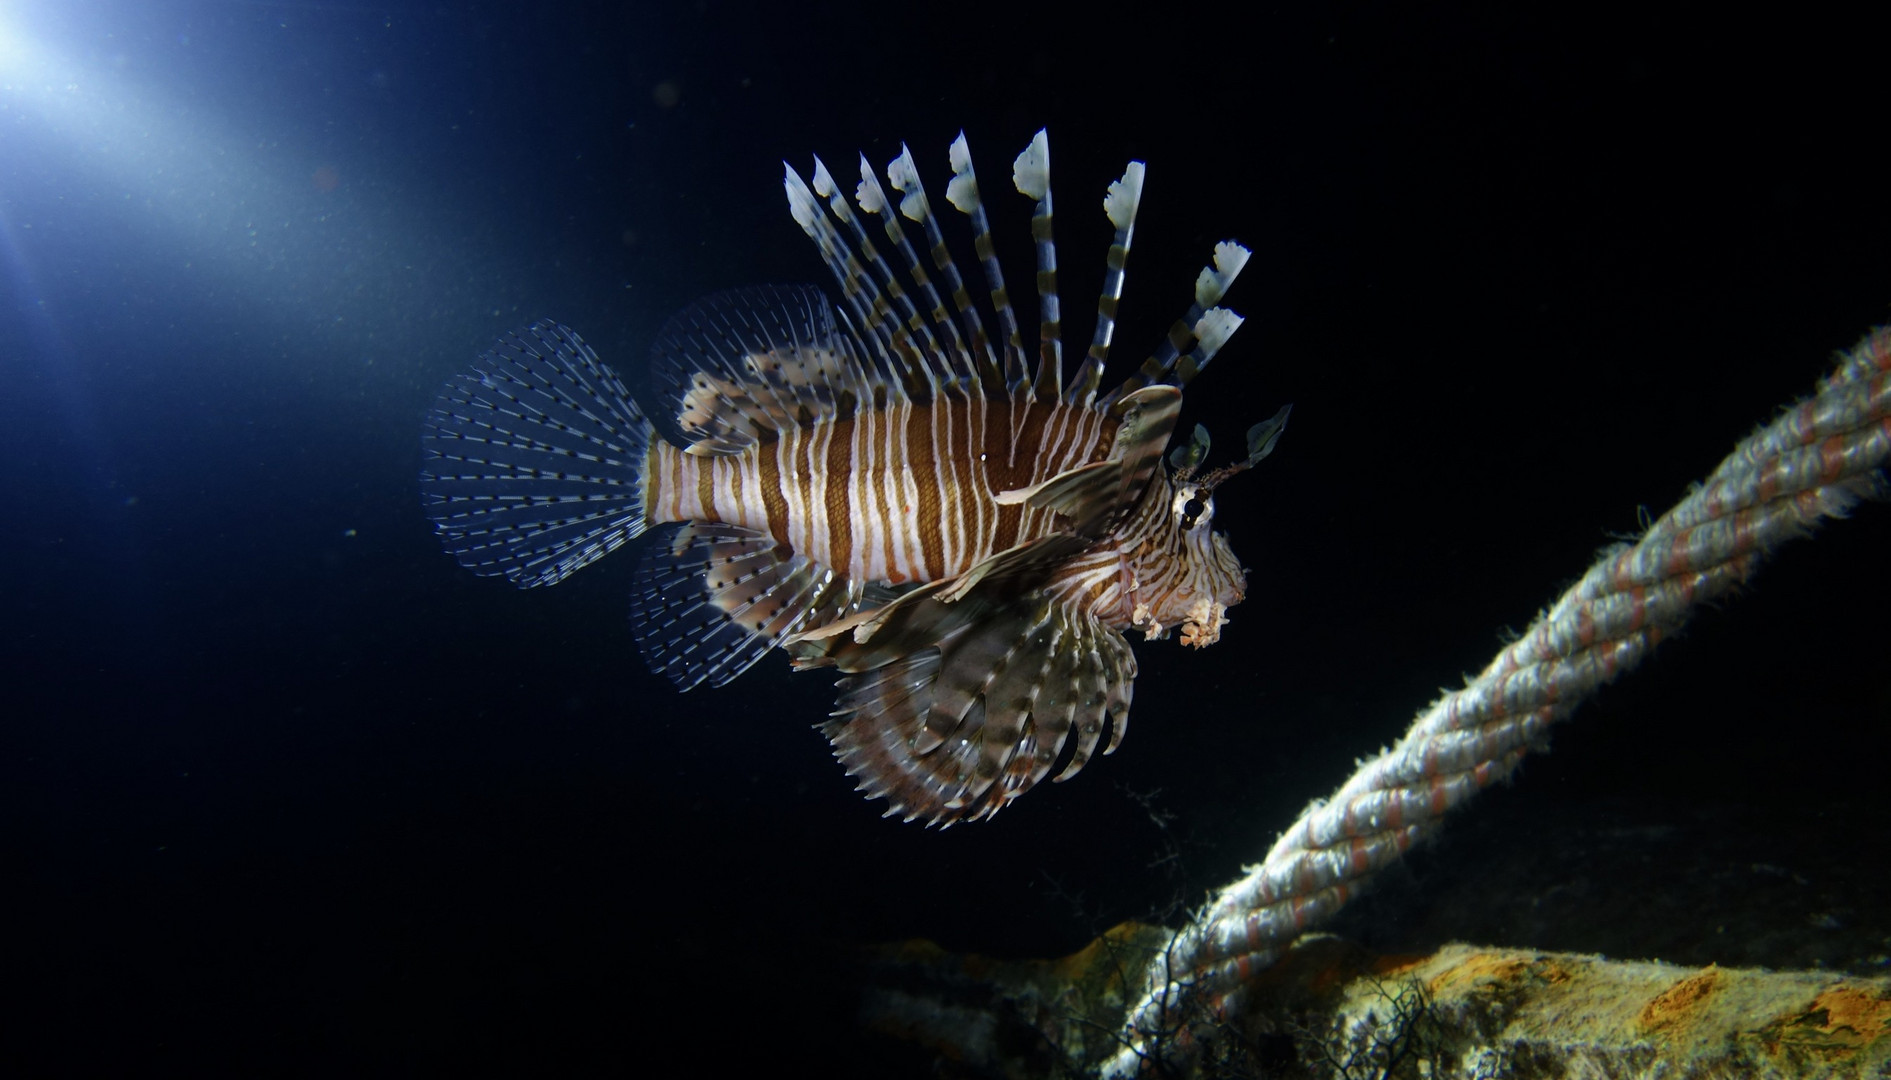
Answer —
1212 331
1031 175
902 324
1120 203
1182 354
1211 325
871 312
962 193
872 200
916 207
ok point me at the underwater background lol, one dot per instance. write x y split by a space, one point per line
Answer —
287 791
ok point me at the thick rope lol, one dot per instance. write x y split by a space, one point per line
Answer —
1816 461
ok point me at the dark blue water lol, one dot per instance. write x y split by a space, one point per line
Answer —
287 790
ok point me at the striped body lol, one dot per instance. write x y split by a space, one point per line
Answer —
888 487
893 495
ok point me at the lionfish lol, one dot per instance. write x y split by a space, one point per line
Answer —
884 487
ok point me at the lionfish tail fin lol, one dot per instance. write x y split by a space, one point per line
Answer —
535 459
959 726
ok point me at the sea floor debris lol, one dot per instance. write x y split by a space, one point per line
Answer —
1333 1010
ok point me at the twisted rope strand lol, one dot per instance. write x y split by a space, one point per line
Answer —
1815 461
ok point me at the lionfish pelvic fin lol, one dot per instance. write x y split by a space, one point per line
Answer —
957 728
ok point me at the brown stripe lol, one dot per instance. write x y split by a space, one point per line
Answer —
675 493
706 488
1020 466
1019 463
923 455
651 479
839 469
768 474
803 465
952 539
1002 473
1041 435
736 468
968 474
877 501
905 520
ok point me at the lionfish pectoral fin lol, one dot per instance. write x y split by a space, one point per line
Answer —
1017 569
1148 420
805 648
1095 494
822 632
711 599
929 613
954 730
1072 492
870 639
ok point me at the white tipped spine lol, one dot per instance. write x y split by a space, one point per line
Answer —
869 195
962 190
1213 282
960 154
1214 329
1031 172
904 176
962 193
1125 197
1230 257
800 199
823 181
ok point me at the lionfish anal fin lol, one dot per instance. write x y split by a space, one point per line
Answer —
712 599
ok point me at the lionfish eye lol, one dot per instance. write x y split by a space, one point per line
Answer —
1191 510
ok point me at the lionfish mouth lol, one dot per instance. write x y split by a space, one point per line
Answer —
1202 625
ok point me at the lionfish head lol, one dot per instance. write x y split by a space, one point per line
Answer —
1191 582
